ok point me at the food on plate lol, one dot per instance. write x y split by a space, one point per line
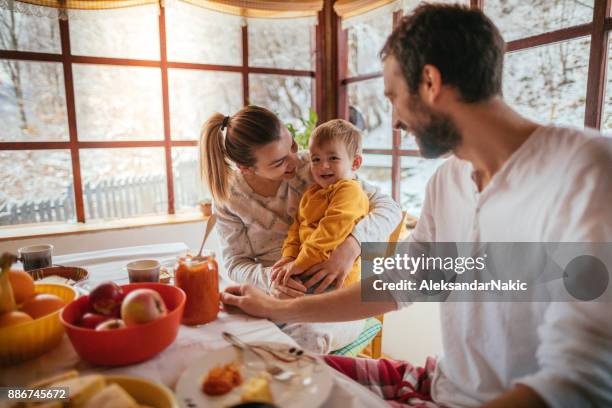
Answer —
257 389
222 379
45 382
13 318
80 389
112 396
52 404
106 299
42 304
88 391
22 284
142 306
112 324
92 320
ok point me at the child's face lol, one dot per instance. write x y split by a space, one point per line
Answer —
331 163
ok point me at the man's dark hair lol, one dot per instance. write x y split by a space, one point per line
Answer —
462 43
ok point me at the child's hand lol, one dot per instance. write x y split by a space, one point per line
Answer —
286 272
278 266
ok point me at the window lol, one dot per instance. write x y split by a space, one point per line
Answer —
118 102
118 34
128 117
518 18
288 97
416 172
372 110
275 44
195 95
549 83
36 186
547 70
376 169
32 101
365 40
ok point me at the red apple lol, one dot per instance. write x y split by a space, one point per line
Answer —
111 325
142 306
92 320
106 299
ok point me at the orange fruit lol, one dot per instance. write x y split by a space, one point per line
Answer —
42 305
12 318
22 284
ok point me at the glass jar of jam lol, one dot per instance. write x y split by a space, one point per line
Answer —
199 278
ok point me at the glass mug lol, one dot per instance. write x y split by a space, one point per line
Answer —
36 256
199 278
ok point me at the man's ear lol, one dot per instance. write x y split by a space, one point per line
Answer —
357 160
431 84
245 170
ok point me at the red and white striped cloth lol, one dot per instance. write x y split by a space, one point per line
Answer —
398 382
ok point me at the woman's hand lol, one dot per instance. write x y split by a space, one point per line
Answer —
336 268
292 289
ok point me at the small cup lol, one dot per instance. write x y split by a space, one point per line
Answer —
36 256
146 270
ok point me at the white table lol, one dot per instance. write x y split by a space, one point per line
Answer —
190 343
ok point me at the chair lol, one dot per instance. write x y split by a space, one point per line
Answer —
369 342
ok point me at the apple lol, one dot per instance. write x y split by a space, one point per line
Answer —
142 306
106 299
92 320
111 325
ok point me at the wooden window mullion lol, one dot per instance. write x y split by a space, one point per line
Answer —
72 124
396 161
245 66
166 109
596 82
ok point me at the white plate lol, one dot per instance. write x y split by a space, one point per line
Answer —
309 389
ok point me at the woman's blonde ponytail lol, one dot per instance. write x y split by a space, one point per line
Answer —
215 168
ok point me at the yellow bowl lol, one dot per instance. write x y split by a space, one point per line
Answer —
145 392
31 339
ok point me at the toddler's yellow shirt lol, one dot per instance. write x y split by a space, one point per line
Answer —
325 218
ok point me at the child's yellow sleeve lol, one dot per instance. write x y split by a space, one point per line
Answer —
348 204
291 246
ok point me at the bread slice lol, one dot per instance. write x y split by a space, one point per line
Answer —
51 404
112 396
46 382
257 389
80 389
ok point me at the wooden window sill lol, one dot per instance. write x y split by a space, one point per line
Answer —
9 233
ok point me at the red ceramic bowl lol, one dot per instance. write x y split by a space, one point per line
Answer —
131 344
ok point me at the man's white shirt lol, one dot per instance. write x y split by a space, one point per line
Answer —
557 187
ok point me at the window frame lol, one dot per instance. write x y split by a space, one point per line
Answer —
74 145
598 29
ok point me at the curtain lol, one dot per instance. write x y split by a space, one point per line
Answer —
246 8
351 8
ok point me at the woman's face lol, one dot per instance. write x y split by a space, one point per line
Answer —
277 160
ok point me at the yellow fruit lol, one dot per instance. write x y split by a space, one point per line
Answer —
42 305
13 318
7 300
22 284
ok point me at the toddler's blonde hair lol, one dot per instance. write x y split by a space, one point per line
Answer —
340 130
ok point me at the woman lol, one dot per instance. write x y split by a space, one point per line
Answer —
256 201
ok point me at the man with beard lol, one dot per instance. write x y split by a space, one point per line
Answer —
509 179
